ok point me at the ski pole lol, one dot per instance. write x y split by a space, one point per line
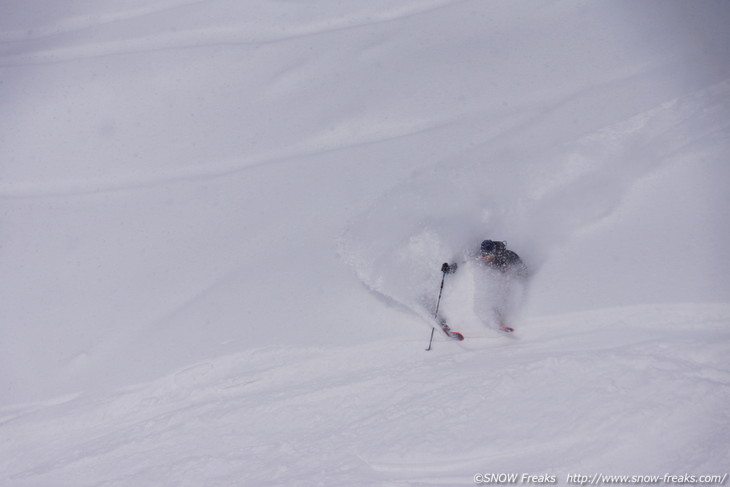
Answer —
436 314
431 340
438 303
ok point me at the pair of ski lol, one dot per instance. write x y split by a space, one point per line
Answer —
458 336
455 334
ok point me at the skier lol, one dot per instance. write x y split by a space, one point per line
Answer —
499 282
498 256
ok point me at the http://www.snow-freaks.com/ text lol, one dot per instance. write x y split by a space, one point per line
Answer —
599 479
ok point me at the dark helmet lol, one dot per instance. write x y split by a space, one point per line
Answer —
492 247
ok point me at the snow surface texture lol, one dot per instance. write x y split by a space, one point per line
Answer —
224 221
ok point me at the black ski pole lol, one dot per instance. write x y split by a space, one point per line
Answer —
431 340
438 303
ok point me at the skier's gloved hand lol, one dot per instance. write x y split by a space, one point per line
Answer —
450 268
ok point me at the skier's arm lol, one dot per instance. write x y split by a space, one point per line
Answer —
517 266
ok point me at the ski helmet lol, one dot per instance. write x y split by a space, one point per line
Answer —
492 247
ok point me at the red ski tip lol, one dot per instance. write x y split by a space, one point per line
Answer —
508 329
459 336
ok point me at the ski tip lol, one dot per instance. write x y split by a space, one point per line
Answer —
459 336
507 329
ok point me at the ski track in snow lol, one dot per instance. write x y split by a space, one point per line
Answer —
273 416
325 143
238 35
74 24
705 108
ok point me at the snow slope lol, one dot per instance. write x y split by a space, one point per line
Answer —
221 219
631 391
